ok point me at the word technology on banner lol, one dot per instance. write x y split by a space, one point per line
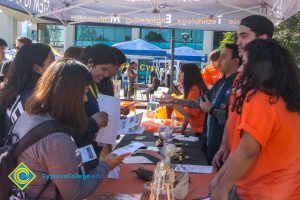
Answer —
168 19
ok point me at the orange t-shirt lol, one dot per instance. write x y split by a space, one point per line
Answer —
210 75
275 174
233 117
197 115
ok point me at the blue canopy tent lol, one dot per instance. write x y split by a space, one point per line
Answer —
188 54
140 47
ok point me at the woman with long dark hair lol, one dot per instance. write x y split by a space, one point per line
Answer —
193 88
265 159
102 63
27 67
60 95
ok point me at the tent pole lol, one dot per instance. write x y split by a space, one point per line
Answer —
172 60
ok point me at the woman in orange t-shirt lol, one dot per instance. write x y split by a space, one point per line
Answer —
193 88
264 162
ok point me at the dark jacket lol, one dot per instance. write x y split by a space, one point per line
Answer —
106 87
219 96
9 116
91 107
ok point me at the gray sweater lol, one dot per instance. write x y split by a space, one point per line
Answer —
56 154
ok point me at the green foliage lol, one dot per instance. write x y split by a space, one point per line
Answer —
228 37
288 34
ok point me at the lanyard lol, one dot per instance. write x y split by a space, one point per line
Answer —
93 92
217 94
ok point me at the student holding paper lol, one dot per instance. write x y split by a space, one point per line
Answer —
102 62
60 95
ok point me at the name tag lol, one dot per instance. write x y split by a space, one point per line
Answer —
87 153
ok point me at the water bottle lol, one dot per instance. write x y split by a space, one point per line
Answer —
152 99
162 129
168 135
173 119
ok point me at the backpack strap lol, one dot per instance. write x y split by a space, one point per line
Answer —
39 132
36 134
43 189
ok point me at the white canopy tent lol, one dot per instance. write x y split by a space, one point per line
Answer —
183 14
219 15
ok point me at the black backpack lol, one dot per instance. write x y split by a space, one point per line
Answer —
10 151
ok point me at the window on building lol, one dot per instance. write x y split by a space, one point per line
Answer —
86 35
34 35
217 38
52 34
162 38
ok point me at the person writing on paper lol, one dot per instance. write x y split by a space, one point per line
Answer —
193 87
60 95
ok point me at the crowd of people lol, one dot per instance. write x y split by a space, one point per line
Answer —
244 108
35 89
251 129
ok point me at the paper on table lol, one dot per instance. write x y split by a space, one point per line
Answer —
114 173
137 160
130 148
139 130
111 106
151 148
188 139
116 196
201 169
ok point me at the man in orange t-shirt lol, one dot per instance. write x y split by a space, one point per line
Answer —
264 159
250 28
211 73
